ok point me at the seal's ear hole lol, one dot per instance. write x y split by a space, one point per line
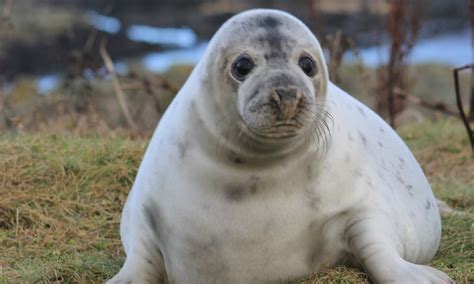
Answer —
242 66
308 65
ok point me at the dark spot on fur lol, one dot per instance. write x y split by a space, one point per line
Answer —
357 173
272 55
312 199
380 144
195 113
275 43
399 178
381 130
361 110
235 159
208 249
274 40
182 148
312 224
409 188
200 248
362 138
427 205
237 192
269 22
313 203
152 218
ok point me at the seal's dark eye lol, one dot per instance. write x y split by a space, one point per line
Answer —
307 65
242 67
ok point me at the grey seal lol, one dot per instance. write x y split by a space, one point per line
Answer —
261 170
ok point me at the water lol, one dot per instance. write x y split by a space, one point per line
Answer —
452 49
46 84
121 68
103 23
179 37
162 61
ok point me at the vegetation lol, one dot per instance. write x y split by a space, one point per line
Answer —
61 197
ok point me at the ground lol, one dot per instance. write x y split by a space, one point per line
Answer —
61 197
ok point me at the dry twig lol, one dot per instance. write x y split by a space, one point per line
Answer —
403 26
419 101
464 119
337 48
471 104
118 90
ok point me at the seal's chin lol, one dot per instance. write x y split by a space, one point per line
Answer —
268 127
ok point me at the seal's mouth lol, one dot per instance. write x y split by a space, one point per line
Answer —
282 130
277 130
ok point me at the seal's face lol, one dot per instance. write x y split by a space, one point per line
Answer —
271 68
276 98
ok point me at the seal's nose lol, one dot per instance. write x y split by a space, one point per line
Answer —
287 100
286 94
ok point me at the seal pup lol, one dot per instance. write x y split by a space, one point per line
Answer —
261 170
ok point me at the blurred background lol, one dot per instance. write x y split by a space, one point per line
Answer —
102 67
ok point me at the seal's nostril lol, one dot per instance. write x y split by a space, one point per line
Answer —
286 94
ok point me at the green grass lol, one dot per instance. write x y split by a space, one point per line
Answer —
61 197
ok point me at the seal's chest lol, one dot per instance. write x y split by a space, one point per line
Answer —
270 240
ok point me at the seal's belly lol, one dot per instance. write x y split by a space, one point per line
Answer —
250 247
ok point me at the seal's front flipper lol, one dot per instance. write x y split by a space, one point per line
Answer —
376 249
139 269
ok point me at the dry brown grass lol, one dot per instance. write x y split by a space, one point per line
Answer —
60 200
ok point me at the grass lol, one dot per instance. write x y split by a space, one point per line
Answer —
61 197
60 201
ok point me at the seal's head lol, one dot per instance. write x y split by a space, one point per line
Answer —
269 67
